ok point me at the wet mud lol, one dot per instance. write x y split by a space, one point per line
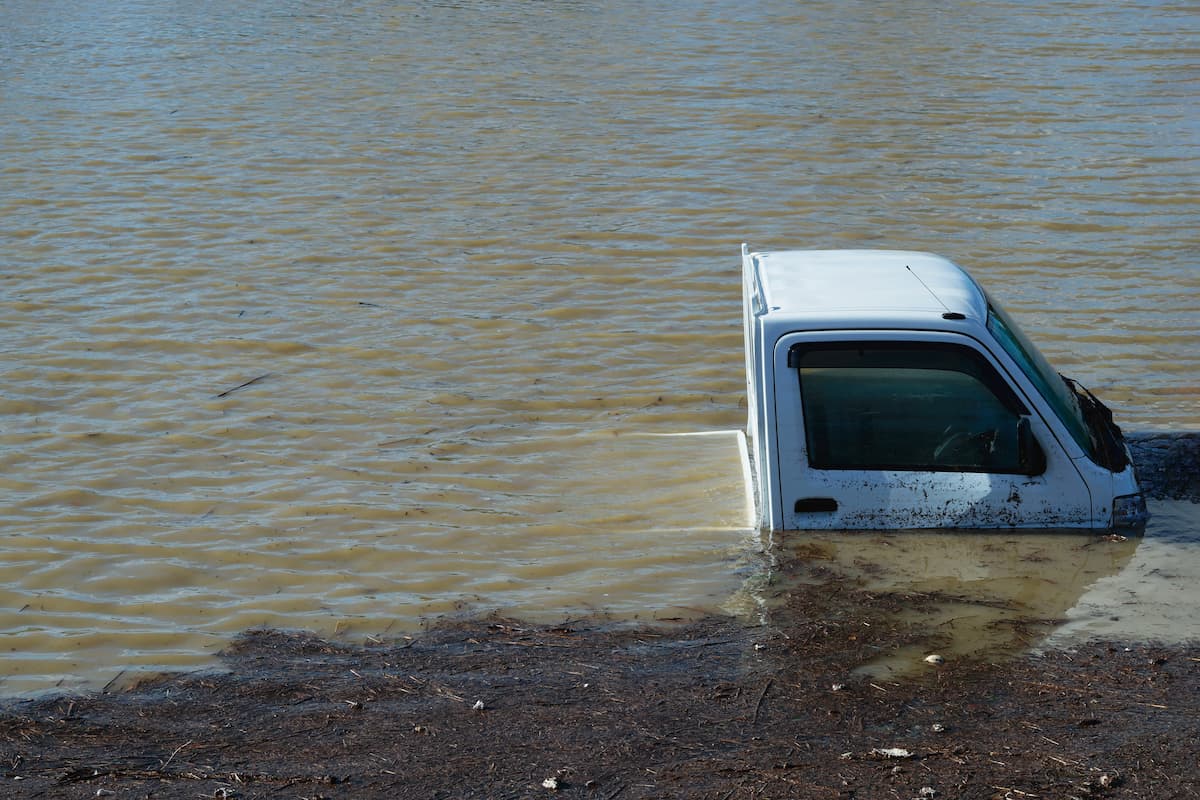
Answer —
714 709
1168 464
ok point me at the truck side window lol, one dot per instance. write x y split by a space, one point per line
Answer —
906 406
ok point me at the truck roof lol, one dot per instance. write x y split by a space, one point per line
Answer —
865 287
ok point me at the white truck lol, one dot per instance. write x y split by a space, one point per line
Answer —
886 389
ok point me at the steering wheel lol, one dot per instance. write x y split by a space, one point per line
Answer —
966 448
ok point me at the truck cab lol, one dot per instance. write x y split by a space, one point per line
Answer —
886 389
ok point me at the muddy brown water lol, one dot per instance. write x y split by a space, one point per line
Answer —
338 317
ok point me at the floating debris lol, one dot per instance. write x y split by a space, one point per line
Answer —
250 382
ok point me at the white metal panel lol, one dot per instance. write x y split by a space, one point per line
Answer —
861 284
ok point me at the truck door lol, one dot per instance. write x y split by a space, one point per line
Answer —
928 431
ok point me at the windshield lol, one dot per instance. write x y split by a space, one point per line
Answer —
1049 383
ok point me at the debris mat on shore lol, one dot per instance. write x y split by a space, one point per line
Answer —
496 708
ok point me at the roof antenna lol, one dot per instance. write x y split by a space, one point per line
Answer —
948 314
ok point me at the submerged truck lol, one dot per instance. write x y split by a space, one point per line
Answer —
887 389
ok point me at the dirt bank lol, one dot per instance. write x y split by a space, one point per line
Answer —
1168 464
714 709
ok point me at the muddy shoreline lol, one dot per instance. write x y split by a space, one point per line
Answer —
716 709
1168 464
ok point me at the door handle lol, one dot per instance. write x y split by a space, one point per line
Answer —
816 504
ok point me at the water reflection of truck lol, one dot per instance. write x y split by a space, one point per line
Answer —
887 390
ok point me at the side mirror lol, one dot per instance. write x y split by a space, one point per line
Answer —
1030 453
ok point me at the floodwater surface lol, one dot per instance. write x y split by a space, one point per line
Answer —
342 316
